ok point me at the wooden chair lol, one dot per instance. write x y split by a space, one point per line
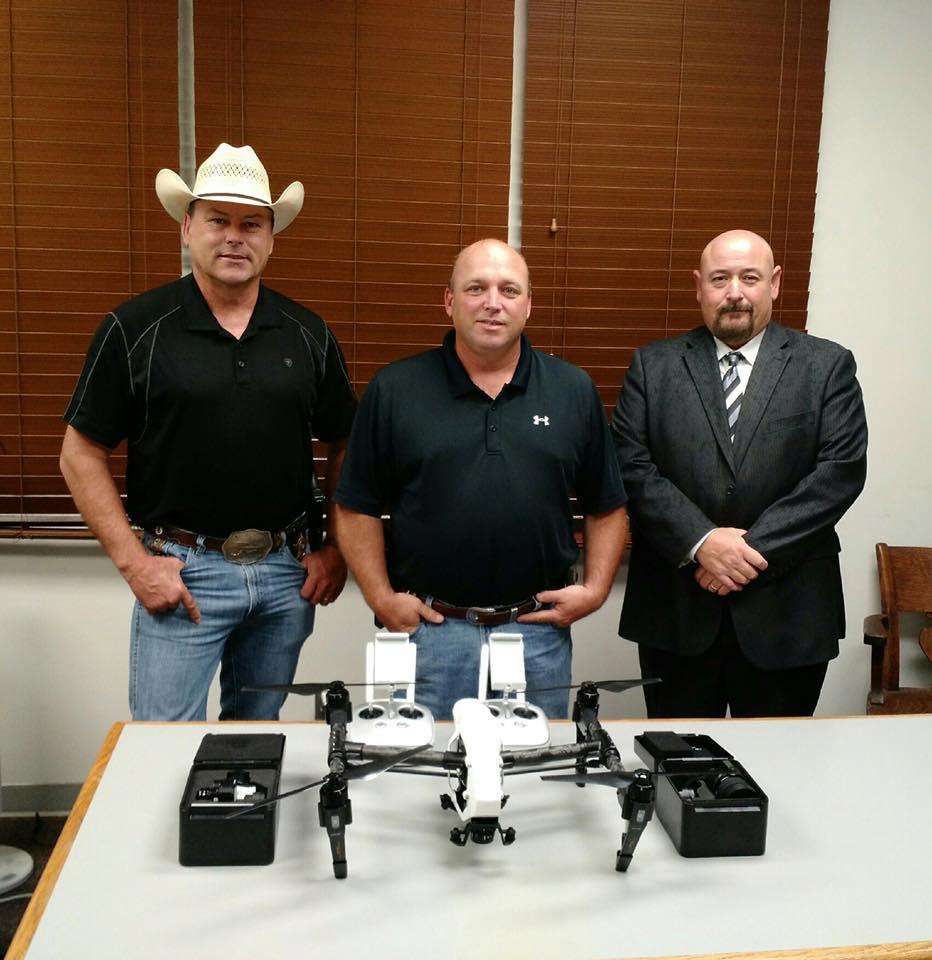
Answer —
905 587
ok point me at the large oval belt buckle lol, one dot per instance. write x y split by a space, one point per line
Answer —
247 546
477 615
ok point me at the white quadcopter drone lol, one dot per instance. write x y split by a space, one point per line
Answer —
492 737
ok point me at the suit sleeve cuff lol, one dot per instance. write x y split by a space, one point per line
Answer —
691 557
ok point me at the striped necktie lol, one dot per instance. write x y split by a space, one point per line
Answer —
732 388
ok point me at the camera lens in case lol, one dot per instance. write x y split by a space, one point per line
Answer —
729 786
718 786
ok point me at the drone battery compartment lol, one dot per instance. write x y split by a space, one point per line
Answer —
231 772
706 801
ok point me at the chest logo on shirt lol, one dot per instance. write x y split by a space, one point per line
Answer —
287 361
538 420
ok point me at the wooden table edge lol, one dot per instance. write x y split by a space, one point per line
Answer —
911 950
27 926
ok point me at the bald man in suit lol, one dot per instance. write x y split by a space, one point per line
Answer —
742 444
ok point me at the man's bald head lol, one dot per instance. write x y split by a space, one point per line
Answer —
737 241
489 301
495 248
736 284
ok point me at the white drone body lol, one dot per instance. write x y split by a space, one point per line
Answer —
481 738
484 727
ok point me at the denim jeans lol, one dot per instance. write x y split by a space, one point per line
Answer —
253 625
448 664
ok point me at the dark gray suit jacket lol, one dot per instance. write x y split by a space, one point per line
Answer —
797 464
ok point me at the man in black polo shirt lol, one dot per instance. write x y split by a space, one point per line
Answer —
475 450
217 383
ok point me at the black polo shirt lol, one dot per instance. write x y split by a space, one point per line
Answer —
218 429
479 489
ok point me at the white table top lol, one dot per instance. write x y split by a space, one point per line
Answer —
848 860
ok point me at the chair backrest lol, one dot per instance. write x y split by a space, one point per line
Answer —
905 587
905 579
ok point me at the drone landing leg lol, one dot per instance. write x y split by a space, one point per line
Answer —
335 814
637 808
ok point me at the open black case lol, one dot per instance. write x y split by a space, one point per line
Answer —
231 772
707 802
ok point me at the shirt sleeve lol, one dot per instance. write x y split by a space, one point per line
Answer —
336 400
101 405
599 485
363 483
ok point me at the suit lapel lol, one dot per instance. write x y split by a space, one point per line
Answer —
771 360
700 360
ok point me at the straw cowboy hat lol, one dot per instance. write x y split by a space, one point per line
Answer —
233 175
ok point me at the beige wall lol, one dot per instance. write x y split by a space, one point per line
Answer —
64 611
869 288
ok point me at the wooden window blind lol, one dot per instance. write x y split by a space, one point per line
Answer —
395 116
651 125
650 128
88 114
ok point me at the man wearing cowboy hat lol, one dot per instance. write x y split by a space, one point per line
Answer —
217 384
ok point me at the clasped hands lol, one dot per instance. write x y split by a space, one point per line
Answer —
726 563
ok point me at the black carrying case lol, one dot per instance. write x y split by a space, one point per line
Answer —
693 769
231 772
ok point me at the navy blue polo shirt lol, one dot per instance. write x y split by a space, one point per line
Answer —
219 429
479 489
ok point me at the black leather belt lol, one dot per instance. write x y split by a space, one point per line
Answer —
241 546
483 616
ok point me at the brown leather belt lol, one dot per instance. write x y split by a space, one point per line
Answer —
483 616
241 546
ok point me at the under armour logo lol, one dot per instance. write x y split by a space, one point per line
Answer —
541 420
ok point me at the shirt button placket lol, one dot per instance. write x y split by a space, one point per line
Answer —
493 433
240 369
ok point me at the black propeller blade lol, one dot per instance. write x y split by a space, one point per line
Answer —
301 689
611 686
271 800
366 771
310 689
604 778
363 771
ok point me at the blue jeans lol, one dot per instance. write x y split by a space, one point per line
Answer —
448 664
253 625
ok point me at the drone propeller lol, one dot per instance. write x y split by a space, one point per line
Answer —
604 778
366 771
363 771
611 686
310 689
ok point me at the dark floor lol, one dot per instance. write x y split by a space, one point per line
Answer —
37 836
